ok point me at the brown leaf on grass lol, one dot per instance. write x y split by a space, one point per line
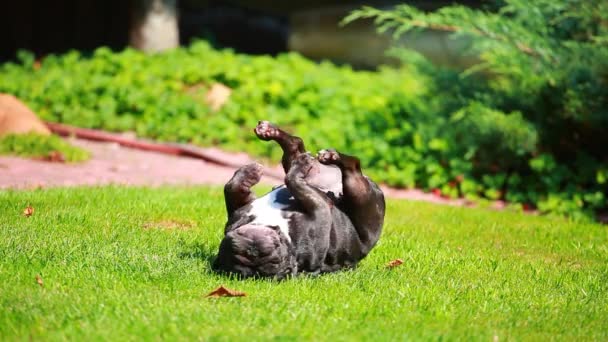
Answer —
224 292
39 280
28 211
394 263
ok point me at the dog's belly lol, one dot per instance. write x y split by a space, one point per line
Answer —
269 210
328 179
277 207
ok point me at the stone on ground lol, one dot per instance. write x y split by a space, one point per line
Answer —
17 118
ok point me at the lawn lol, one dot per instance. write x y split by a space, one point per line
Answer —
130 263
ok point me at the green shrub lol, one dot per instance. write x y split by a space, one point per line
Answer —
41 146
413 126
532 117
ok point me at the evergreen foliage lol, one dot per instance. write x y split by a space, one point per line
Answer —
532 116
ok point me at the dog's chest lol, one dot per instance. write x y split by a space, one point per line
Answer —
269 210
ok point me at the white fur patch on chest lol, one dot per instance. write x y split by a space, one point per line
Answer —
268 212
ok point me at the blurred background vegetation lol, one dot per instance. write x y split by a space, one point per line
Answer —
484 100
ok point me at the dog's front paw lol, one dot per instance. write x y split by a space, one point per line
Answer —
266 131
328 156
249 175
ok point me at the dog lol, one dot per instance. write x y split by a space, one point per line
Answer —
326 217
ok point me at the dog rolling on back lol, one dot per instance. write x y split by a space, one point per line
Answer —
326 217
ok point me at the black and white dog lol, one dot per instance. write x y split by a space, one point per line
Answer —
326 217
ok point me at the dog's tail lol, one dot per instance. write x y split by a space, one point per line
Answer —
253 250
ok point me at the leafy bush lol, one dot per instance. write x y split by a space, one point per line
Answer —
41 146
162 96
532 117
413 126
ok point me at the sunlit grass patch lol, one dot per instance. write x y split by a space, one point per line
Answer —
121 263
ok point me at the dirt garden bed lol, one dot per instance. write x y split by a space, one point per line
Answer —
112 163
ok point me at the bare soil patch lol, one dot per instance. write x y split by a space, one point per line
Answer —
168 225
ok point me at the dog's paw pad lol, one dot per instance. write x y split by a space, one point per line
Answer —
266 131
251 174
328 156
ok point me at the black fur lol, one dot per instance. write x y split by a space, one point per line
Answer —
326 232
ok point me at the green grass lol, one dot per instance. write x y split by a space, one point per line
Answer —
34 145
131 264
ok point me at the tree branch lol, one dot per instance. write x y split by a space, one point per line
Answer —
452 28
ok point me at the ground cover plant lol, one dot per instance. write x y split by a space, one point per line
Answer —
46 147
531 130
112 263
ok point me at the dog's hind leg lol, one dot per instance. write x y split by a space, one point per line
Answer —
292 146
363 201
237 192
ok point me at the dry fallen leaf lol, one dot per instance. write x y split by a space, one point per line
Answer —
224 292
39 280
37 186
28 211
56 157
53 157
394 263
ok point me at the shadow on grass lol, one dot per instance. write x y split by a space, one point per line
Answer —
201 252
